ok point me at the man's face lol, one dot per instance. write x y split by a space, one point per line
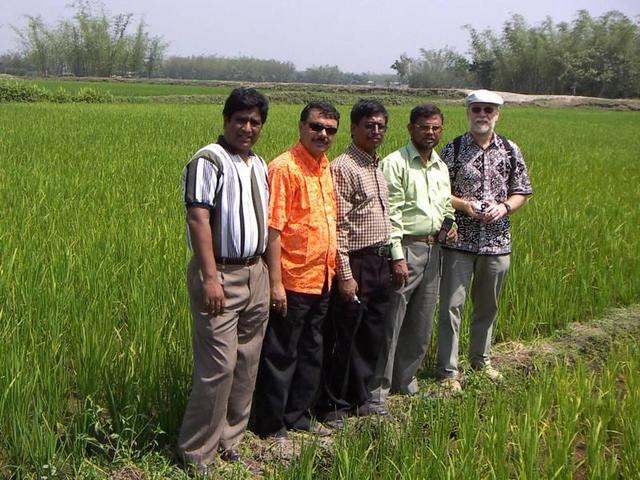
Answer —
242 130
482 117
368 133
426 132
317 133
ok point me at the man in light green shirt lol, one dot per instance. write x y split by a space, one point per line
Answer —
420 200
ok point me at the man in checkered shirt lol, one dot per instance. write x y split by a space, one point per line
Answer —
360 297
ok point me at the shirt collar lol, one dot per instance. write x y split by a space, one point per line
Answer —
301 153
363 157
472 141
224 144
414 154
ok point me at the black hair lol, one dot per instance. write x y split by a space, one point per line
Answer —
367 108
245 99
425 110
325 108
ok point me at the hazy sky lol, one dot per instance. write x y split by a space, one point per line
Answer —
356 35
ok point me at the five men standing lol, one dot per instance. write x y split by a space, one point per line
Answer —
489 182
367 226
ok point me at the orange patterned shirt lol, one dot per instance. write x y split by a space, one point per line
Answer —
302 207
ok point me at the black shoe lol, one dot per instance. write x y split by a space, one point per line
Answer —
334 419
230 455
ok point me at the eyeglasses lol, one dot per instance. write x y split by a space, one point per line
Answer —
318 127
487 110
373 125
429 128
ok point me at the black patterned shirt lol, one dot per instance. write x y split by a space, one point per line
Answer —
489 175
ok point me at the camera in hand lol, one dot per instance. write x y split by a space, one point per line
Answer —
482 209
444 230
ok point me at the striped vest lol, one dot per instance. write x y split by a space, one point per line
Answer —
213 180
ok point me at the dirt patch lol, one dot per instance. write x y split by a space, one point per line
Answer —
591 339
563 101
571 101
127 473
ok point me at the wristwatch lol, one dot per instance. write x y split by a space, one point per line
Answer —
508 207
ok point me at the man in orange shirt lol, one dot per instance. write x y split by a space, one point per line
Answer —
301 258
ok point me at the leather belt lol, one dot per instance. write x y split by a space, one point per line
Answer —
380 251
247 261
428 239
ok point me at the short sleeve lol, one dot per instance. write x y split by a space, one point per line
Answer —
446 155
519 182
279 192
200 182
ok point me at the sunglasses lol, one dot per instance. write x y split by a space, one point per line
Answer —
318 127
487 110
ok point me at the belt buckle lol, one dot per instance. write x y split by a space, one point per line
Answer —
382 251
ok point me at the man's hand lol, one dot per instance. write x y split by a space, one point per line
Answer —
494 212
452 235
213 296
279 298
348 290
399 273
472 207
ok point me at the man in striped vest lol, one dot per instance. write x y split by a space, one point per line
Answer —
226 197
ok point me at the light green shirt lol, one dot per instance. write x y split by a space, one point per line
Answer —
419 195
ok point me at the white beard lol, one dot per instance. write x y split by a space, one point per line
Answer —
482 128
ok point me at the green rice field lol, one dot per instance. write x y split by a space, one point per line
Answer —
95 353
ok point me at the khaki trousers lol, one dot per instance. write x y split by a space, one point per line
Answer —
458 269
226 351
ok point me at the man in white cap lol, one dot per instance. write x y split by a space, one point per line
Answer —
489 182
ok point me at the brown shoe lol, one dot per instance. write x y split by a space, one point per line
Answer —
451 386
491 373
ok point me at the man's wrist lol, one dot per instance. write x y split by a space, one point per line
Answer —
507 208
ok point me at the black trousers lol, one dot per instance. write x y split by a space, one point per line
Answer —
290 366
353 337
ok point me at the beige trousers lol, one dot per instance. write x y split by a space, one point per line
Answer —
226 351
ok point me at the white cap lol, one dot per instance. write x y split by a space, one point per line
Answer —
483 96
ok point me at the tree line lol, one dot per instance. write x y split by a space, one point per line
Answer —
213 67
589 56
